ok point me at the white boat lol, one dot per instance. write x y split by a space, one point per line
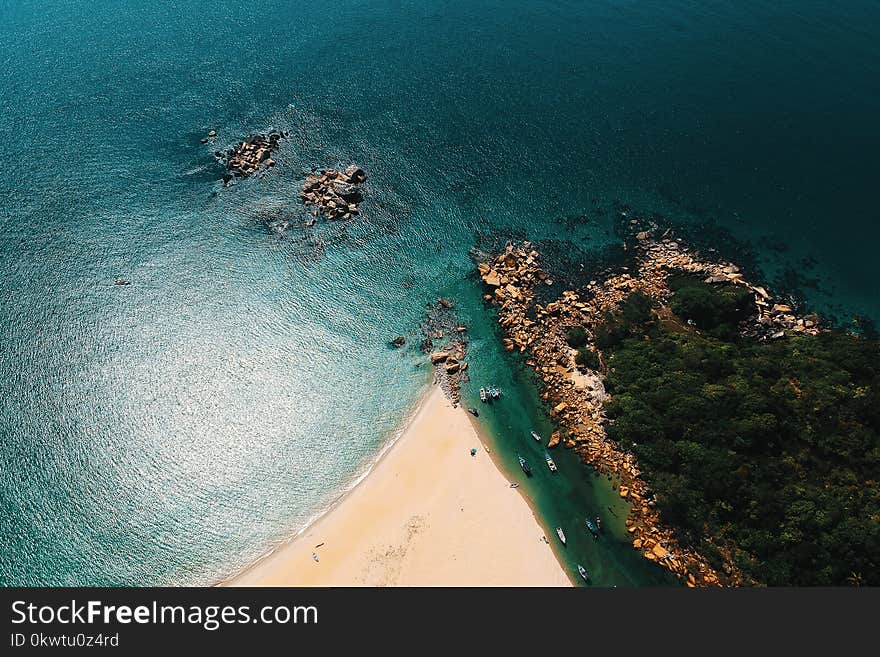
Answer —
560 534
483 395
583 572
550 463
536 436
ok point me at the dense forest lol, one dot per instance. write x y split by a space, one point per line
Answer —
769 451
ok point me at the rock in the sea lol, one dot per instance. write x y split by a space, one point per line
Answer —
347 191
247 157
439 357
355 174
492 278
399 341
334 194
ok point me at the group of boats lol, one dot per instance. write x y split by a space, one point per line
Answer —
581 570
594 528
527 469
490 394
549 459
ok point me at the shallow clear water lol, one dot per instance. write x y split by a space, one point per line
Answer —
172 430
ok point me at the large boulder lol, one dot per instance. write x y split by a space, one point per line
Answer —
355 174
439 357
348 191
492 278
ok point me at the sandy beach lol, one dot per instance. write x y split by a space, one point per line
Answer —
429 514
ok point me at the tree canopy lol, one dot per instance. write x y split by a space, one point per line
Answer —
771 450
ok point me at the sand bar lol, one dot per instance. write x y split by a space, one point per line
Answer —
429 514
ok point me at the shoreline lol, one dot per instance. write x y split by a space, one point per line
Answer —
424 513
482 434
343 493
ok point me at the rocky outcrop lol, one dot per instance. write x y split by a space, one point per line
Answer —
771 320
445 342
250 155
334 194
439 357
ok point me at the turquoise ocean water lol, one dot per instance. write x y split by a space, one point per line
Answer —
172 431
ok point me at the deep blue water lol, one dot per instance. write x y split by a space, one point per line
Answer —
172 430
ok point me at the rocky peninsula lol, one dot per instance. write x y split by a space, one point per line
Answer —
576 393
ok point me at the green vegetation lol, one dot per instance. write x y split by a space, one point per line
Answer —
770 451
587 358
576 336
634 314
715 309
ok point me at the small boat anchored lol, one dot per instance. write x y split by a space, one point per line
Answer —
560 534
583 573
483 397
473 411
593 529
536 436
525 466
550 463
494 392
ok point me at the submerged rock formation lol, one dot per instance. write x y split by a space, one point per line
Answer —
512 279
334 194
